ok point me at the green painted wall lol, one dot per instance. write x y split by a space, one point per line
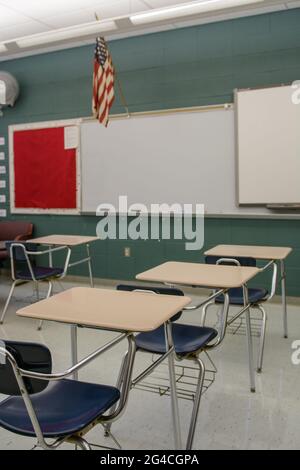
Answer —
192 66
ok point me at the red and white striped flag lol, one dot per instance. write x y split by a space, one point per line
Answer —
103 82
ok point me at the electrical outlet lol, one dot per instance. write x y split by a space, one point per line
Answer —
127 252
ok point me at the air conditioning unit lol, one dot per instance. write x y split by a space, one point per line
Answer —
9 90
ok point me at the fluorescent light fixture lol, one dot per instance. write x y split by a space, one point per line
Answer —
73 32
2 48
187 9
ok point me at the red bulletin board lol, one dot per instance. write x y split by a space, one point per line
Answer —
44 171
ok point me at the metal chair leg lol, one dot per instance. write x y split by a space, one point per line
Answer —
81 443
47 296
262 338
7 301
197 400
90 265
49 292
249 339
37 291
204 312
283 296
120 379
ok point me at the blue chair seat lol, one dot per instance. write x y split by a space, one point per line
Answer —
236 296
39 272
187 339
63 408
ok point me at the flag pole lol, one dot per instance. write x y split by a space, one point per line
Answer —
121 93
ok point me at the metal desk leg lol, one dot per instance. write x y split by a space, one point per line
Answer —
50 257
173 388
249 340
197 399
74 351
90 265
283 296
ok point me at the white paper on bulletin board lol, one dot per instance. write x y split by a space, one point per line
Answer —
71 137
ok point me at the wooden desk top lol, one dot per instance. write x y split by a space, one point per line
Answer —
252 251
201 275
64 240
109 309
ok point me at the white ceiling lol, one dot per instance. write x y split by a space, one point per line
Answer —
19 18
26 17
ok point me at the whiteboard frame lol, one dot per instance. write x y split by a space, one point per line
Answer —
43 125
228 106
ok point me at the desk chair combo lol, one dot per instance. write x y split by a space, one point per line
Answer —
49 406
268 255
72 242
257 296
189 342
24 269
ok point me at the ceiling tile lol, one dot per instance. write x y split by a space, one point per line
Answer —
103 9
118 7
43 8
24 29
70 19
10 18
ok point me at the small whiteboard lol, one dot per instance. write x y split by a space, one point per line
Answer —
268 144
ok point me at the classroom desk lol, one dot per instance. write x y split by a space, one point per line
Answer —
70 241
212 276
275 254
126 312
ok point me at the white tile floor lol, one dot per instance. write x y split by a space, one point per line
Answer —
230 416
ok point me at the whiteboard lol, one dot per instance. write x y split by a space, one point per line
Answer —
180 157
268 141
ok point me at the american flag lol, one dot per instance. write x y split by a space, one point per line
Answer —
103 82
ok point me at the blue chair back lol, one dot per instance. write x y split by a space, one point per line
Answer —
18 252
244 261
29 356
156 290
